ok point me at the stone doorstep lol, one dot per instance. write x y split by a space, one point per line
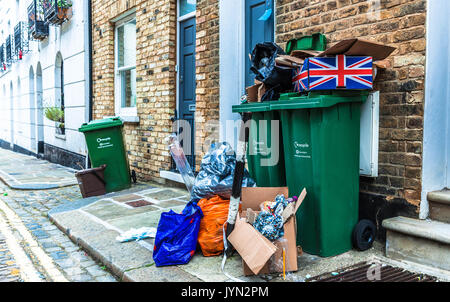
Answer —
439 204
427 229
442 197
421 241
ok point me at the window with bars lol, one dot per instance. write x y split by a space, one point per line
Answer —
8 49
2 55
20 39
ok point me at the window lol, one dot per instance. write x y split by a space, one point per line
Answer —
186 7
125 104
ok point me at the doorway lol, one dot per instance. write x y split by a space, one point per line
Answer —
259 27
33 128
39 111
11 114
436 124
186 77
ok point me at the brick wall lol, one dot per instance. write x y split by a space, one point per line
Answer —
399 23
156 26
207 65
155 78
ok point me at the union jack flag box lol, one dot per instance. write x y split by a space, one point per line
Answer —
339 72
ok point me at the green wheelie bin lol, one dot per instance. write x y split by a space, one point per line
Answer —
105 143
321 145
265 155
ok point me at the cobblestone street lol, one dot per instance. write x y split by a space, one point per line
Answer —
31 247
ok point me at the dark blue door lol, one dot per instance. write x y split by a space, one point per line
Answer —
256 31
186 98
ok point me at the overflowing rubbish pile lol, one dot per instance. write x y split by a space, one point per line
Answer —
227 210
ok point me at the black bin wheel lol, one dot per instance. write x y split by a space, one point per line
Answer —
133 176
364 235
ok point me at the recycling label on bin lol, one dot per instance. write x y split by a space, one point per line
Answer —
104 143
302 150
259 147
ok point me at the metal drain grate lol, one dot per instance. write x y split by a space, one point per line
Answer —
138 203
372 272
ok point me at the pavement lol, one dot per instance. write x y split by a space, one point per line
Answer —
21 172
94 223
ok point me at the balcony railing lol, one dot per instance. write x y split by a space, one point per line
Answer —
2 57
9 49
37 27
57 11
21 40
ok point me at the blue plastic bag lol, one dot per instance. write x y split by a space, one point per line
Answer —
176 236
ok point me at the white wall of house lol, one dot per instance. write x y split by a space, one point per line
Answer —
69 40
231 52
436 142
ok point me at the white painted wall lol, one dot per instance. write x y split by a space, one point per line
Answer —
70 40
436 142
231 62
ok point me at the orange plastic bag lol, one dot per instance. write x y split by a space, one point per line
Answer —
215 214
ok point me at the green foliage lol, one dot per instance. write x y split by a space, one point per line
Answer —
64 3
55 114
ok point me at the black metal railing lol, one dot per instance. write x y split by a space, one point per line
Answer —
57 11
21 40
9 49
37 27
2 56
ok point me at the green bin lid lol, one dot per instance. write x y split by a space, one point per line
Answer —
252 107
318 100
101 124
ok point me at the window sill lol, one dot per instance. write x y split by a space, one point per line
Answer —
174 176
60 136
129 119
126 118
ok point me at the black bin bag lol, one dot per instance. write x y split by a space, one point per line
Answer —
264 67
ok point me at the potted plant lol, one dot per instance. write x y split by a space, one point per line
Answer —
56 114
63 9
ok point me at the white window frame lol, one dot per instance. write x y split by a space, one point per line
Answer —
126 113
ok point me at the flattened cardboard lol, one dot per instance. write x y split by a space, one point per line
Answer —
255 92
359 47
251 216
291 209
274 264
303 54
253 247
289 61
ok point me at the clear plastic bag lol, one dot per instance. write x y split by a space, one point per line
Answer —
181 162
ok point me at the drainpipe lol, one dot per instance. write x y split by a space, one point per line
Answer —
89 74
90 59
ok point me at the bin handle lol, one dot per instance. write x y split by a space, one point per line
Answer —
99 178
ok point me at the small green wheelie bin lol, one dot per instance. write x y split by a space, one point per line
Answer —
265 155
321 145
105 143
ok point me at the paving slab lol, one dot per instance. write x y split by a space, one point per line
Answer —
24 172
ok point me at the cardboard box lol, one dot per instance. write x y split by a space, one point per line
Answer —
289 61
255 92
338 67
337 72
259 254
359 47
